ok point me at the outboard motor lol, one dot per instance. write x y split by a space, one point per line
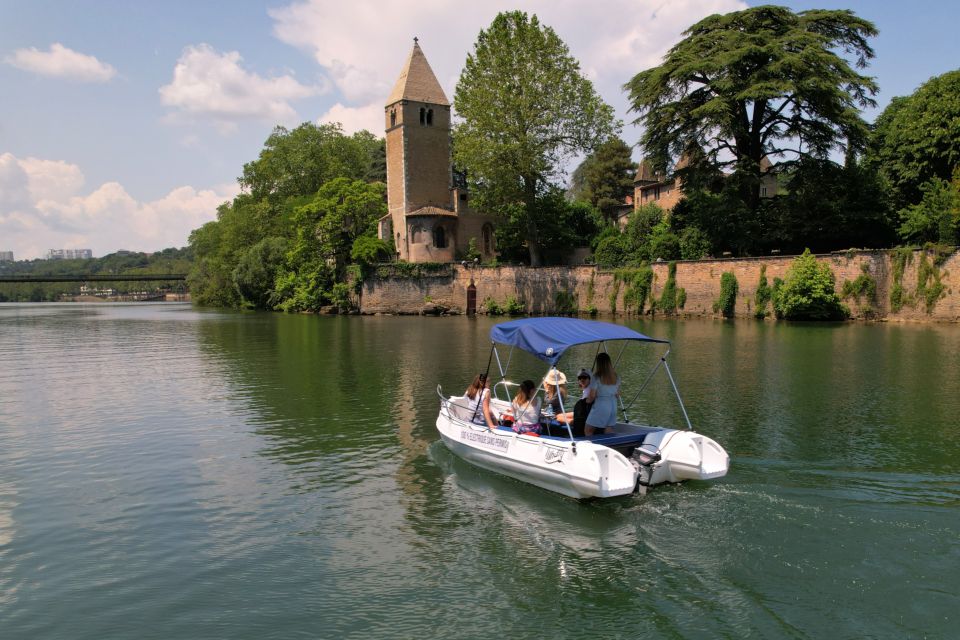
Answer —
643 458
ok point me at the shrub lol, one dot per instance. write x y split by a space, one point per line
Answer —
566 303
763 295
638 283
727 302
865 286
492 308
668 298
808 292
515 307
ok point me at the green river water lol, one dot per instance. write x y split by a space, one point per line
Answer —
167 472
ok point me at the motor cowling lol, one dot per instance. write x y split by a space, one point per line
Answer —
643 459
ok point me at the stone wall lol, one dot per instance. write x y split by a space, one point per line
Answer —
590 286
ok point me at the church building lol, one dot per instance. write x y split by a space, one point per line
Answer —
429 216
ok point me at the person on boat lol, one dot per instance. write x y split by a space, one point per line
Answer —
603 393
555 391
526 409
478 397
581 408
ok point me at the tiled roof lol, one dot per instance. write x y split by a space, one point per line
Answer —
417 82
431 211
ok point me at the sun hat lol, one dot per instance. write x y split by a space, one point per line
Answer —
555 377
584 374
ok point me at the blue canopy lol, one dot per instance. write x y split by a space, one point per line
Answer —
548 338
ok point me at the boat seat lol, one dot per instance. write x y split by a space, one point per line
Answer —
461 410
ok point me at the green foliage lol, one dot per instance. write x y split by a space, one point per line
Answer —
566 303
694 244
760 61
605 177
309 188
900 257
525 108
929 287
614 293
368 250
255 274
669 301
298 162
681 298
492 308
412 270
808 293
727 302
514 307
865 287
917 138
936 218
561 225
639 284
473 253
612 251
763 295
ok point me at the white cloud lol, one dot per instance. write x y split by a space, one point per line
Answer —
208 83
353 119
61 62
612 42
42 207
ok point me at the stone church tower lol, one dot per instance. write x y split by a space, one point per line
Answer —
429 217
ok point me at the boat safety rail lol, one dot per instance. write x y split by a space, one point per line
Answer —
662 362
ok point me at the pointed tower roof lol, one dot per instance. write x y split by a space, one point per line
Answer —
417 82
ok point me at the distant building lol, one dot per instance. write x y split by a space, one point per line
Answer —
6 256
666 191
429 219
69 254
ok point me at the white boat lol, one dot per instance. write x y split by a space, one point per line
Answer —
628 459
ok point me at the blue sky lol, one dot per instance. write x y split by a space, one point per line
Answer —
124 124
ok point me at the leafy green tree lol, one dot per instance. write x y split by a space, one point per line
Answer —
936 218
808 292
525 107
298 162
255 274
917 138
328 227
827 207
605 177
762 81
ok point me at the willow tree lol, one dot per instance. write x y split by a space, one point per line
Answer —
763 81
525 108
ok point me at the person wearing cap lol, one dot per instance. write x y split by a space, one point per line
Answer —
555 391
581 408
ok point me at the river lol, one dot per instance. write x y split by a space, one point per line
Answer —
169 472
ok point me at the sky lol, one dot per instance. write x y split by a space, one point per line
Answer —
123 125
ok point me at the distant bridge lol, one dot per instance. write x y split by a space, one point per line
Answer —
96 277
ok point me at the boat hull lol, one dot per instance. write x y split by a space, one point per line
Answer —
584 468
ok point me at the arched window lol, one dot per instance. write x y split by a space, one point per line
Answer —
393 117
429 117
487 239
439 238
423 116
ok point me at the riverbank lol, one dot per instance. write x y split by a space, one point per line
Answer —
908 286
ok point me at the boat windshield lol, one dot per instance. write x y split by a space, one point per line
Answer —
549 338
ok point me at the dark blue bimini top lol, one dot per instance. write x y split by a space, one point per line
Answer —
548 338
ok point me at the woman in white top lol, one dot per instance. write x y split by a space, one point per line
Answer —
478 397
526 409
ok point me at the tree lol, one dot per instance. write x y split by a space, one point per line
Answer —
936 218
525 108
763 81
917 138
605 177
298 162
